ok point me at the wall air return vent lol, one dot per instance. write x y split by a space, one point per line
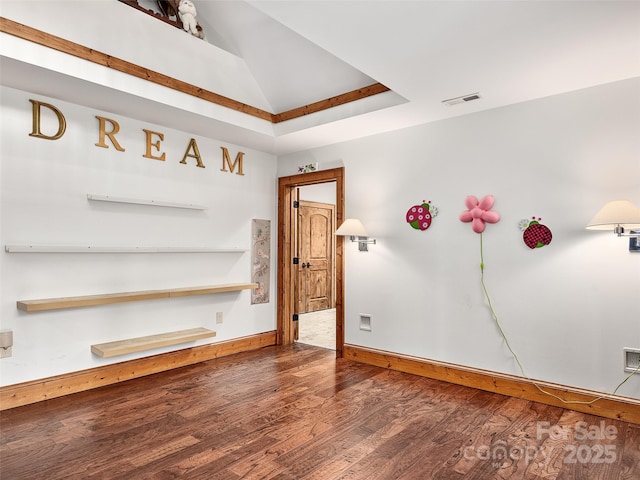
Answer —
463 99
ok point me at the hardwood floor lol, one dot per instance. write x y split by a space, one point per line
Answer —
286 413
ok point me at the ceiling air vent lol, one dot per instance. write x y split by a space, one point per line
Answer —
463 99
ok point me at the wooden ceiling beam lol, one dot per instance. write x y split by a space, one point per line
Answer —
342 99
71 48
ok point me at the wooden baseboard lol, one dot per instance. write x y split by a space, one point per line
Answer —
608 406
34 391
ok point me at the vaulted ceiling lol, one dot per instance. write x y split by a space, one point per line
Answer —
290 70
424 52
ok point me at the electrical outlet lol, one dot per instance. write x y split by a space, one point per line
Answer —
218 317
631 359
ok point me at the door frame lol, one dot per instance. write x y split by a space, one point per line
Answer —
286 243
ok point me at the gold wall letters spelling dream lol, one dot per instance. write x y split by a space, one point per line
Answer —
108 129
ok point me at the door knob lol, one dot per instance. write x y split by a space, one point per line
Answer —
307 265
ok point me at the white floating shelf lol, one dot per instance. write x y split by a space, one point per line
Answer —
140 201
108 249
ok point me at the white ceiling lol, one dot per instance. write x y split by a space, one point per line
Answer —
300 52
424 51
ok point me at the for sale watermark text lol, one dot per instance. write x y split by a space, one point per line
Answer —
581 446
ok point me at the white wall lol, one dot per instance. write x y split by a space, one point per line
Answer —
569 308
44 201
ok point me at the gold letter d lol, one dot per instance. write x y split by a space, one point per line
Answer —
62 123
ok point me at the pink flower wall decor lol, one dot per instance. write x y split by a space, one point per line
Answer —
479 212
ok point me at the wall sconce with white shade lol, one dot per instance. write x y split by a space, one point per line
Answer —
617 216
353 228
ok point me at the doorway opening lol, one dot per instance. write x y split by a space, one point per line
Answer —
307 284
315 248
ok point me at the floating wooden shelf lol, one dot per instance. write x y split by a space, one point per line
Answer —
109 298
131 345
107 249
211 289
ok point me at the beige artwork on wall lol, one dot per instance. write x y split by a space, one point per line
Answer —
260 260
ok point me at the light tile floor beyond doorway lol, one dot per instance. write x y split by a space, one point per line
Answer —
318 328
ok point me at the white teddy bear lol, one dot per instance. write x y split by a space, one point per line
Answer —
187 12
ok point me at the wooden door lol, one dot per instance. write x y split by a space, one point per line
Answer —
287 250
316 249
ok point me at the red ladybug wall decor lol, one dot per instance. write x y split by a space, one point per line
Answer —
420 216
535 234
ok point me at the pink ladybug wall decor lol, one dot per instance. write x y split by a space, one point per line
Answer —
536 235
420 216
